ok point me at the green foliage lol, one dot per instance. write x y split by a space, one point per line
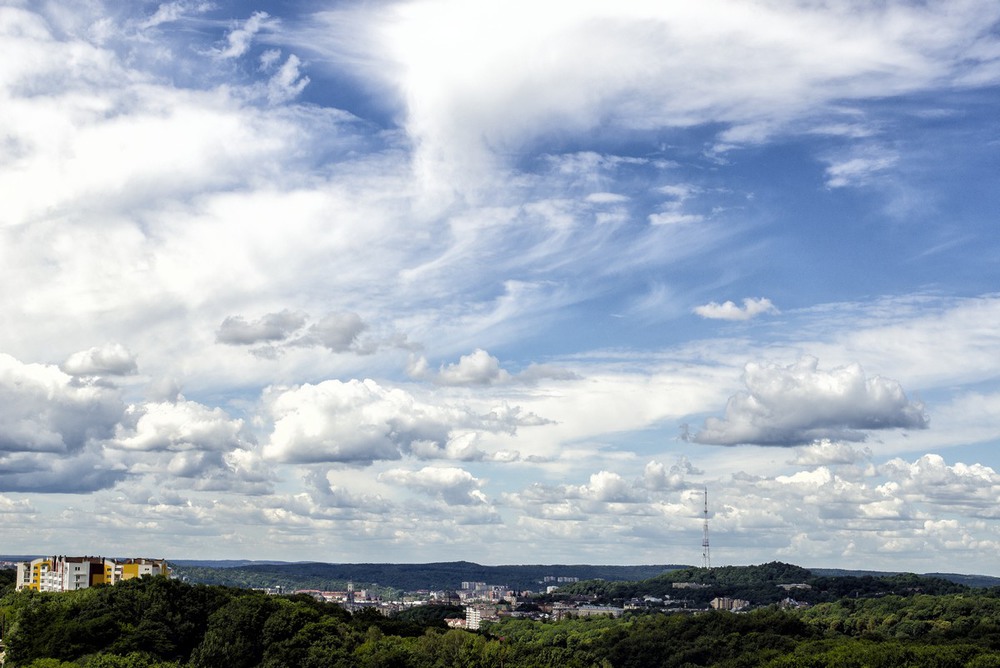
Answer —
388 580
431 615
161 623
8 577
760 585
131 660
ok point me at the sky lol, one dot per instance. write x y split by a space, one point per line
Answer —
507 282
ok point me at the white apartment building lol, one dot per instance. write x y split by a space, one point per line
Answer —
62 573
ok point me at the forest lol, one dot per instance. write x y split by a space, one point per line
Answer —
166 623
386 578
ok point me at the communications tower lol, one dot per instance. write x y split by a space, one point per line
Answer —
706 554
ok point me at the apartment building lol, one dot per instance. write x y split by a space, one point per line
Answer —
62 573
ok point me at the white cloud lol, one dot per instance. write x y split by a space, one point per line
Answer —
44 410
657 477
8 505
112 359
479 368
288 82
797 404
859 170
236 330
177 427
361 422
154 191
337 331
238 40
606 198
476 368
670 217
608 487
729 311
169 12
278 333
672 212
453 485
830 453
269 58
79 472
973 487
722 61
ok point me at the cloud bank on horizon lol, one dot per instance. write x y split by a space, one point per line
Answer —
355 282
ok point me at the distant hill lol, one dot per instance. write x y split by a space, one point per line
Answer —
983 581
229 563
406 577
765 584
449 575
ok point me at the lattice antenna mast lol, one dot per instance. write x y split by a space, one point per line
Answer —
706 553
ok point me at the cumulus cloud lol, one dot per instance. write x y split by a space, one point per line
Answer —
476 368
931 479
337 332
42 409
603 487
177 426
111 359
452 485
236 330
729 311
656 476
8 505
360 422
481 368
239 471
461 448
80 472
798 404
829 453
326 495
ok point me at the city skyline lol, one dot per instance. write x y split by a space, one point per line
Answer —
507 282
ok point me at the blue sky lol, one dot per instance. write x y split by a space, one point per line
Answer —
501 281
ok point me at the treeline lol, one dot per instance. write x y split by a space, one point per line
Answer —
387 578
161 623
164 623
761 585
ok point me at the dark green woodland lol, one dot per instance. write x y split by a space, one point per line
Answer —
870 622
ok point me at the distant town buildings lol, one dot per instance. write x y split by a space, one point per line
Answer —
62 573
729 604
481 592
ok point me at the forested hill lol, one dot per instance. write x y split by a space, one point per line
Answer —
407 577
764 584
450 575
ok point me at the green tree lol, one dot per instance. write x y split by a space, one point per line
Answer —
234 637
